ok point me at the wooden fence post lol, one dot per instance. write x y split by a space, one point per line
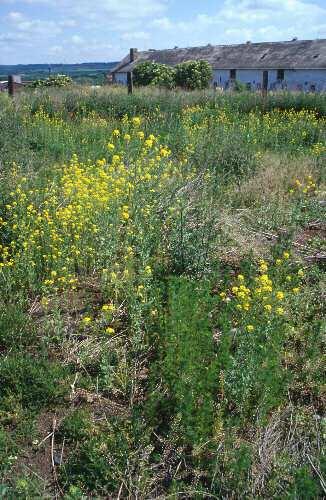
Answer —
12 81
265 83
130 82
11 85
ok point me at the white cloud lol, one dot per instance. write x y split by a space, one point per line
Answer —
136 35
77 40
15 17
68 23
163 23
258 20
56 50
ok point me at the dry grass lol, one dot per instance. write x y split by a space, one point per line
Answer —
255 201
273 179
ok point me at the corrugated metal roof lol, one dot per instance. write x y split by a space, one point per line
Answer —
295 54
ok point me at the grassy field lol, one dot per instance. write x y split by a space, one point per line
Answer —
162 290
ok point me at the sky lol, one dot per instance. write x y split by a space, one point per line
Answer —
73 31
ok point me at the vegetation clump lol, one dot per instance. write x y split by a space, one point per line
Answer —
190 75
52 81
161 324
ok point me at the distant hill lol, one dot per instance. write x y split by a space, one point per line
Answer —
93 72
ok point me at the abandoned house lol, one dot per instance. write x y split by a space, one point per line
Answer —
291 65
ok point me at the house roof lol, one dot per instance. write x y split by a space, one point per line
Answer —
295 54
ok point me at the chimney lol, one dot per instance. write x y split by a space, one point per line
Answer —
133 54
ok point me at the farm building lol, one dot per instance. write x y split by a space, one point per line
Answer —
292 65
3 85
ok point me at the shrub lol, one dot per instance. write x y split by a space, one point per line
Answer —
164 77
151 73
193 75
52 81
239 86
188 366
34 383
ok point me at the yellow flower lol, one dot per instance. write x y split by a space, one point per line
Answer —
278 262
239 306
268 307
222 295
280 295
286 255
240 277
235 289
289 278
301 273
44 301
154 313
110 146
296 290
127 137
125 215
148 270
280 311
116 132
86 320
246 306
136 121
250 328
110 330
141 135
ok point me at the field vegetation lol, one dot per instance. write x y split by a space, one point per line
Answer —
162 290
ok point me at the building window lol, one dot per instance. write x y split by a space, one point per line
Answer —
233 74
280 74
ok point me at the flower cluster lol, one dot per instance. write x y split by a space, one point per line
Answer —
306 186
264 295
61 230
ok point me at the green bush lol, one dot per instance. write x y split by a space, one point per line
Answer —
151 73
190 75
188 366
34 383
194 75
52 81
164 77
239 86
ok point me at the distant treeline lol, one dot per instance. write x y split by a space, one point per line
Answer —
82 73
